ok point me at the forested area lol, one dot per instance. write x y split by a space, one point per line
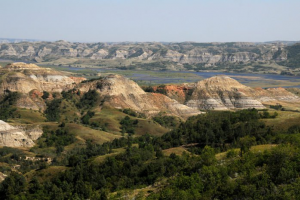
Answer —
6 105
198 174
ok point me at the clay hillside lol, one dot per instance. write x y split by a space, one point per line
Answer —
273 57
120 92
16 136
31 81
224 93
117 91
217 93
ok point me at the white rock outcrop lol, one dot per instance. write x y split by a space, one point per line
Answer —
121 92
16 137
222 93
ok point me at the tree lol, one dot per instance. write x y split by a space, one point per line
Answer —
45 95
208 156
246 143
14 184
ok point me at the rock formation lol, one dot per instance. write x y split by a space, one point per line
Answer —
120 92
222 93
186 52
31 81
180 92
2 177
217 93
24 78
16 137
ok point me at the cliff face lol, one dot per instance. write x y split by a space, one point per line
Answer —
180 92
15 137
186 52
27 77
218 93
223 93
121 92
31 81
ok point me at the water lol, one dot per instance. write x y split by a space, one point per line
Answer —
247 79
165 77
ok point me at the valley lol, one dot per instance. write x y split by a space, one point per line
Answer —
149 100
115 137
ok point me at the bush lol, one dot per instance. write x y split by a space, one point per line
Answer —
166 121
130 112
53 110
89 99
128 125
45 95
86 118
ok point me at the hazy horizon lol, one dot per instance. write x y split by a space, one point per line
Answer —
155 21
36 40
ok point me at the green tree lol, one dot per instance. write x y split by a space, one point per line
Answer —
246 143
14 184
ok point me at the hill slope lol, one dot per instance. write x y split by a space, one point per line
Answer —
120 92
237 56
223 93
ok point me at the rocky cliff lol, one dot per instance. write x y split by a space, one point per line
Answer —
17 137
24 78
183 55
120 92
31 81
187 52
218 93
223 93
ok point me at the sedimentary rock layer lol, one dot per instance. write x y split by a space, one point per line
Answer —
16 137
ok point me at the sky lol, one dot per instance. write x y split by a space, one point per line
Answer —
151 20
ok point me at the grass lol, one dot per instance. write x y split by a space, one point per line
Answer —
28 117
284 120
262 147
100 159
109 116
148 126
86 133
177 150
112 118
140 193
69 111
293 105
45 174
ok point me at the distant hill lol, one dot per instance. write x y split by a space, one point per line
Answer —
283 42
14 40
276 57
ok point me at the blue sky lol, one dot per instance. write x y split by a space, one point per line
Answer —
151 20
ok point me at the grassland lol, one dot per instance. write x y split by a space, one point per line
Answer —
100 159
112 117
87 133
176 150
284 120
45 174
28 117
